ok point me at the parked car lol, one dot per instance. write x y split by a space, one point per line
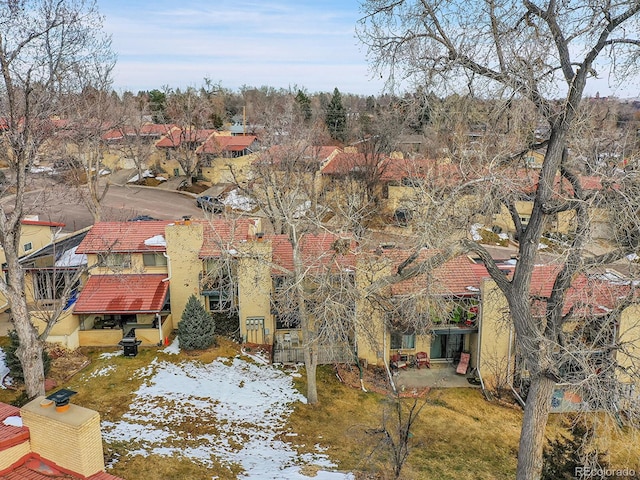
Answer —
142 218
211 204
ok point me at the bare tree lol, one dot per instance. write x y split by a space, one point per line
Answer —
394 435
192 116
134 136
92 113
533 51
45 47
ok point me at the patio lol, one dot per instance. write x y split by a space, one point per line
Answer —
440 375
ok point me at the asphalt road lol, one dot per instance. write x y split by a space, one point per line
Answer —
58 203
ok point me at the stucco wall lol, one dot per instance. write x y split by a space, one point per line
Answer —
495 364
628 355
183 246
254 290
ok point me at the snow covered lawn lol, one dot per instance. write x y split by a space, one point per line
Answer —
230 413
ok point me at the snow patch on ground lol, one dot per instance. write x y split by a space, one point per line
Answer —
172 349
239 202
104 371
110 354
248 402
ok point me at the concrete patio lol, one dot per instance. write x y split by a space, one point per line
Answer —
440 375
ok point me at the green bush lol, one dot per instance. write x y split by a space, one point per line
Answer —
197 327
13 362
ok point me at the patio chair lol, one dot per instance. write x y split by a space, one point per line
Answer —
463 366
397 363
422 360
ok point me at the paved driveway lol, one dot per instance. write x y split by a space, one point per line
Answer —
58 203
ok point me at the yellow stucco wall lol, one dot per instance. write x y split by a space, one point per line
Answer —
628 356
371 337
137 266
495 354
563 222
254 291
220 169
503 220
183 246
100 338
37 235
401 196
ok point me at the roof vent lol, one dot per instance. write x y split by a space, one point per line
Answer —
61 399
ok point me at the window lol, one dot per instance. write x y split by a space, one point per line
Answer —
28 246
412 182
50 284
115 260
216 283
154 260
401 340
284 306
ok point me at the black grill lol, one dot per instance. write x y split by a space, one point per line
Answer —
130 346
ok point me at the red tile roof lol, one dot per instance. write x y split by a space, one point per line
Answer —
347 162
221 235
216 144
118 294
281 254
176 136
588 295
11 435
396 169
103 476
319 251
34 467
308 154
121 237
146 130
456 277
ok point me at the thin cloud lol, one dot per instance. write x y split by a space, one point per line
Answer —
310 44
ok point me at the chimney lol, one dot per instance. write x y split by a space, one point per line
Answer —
70 438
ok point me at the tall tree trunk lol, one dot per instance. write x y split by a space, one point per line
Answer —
534 423
30 351
310 343
311 364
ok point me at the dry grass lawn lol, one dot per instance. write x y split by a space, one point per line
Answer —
459 435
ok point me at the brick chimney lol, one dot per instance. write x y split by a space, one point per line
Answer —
71 439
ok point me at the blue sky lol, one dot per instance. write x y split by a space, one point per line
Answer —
279 43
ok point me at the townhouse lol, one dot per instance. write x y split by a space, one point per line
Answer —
136 277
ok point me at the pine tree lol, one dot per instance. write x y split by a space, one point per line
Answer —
13 362
304 104
197 327
562 457
336 118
